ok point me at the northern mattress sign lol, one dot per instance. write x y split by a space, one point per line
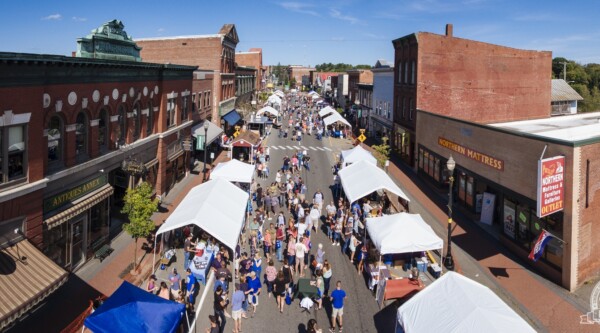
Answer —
550 187
472 154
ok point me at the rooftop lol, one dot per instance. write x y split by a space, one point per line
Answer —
579 127
562 91
178 37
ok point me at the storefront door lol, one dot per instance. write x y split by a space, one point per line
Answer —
77 243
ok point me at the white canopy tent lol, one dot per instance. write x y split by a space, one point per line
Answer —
279 93
274 99
334 118
326 110
233 171
362 178
455 303
315 96
217 206
356 154
268 109
402 233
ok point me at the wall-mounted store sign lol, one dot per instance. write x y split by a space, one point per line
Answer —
77 192
472 154
550 186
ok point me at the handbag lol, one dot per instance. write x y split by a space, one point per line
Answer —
277 244
288 299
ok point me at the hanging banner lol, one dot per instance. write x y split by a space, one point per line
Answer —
550 186
487 208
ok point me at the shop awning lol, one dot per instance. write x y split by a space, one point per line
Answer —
79 206
212 133
25 282
232 117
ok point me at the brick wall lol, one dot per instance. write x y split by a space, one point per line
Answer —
481 82
588 244
251 59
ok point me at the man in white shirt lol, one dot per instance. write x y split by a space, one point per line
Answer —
318 200
300 249
330 209
367 208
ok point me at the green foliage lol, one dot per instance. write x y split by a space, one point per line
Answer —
139 207
382 152
339 67
585 79
293 82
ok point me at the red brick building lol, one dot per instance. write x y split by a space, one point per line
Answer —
356 76
208 52
253 58
75 132
300 74
467 80
497 165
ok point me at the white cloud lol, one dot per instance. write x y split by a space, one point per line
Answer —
79 19
299 7
338 15
53 17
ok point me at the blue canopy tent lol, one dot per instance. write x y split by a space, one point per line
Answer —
131 309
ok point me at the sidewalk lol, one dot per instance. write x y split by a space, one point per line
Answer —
549 305
105 278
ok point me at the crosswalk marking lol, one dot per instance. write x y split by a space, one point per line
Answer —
327 148
321 148
313 148
301 148
274 147
288 147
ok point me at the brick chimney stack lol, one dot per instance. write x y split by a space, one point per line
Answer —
449 30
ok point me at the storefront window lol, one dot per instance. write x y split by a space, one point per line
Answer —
99 226
55 241
137 121
122 128
81 135
522 233
436 172
469 191
150 122
426 162
462 184
55 130
16 152
103 130
509 218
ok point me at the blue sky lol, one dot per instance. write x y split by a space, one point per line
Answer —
312 32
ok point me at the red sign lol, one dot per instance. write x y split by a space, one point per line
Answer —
550 188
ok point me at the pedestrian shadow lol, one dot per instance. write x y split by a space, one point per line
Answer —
302 328
385 320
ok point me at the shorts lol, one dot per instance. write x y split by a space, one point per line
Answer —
237 315
337 312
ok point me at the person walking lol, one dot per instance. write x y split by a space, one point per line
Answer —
220 303
237 302
279 288
291 252
347 235
320 284
327 273
271 274
279 238
312 327
254 287
300 252
337 303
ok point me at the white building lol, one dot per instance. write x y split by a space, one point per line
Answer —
342 90
381 117
564 98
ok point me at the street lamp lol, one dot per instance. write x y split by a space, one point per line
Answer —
206 124
448 261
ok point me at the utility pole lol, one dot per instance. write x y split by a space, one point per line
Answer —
564 63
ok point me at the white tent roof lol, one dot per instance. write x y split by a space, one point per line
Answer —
274 99
335 117
356 154
268 109
363 178
326 110
402 233
216 206
315 96
233 171
455 303
279 93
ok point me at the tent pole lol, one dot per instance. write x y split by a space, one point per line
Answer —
211 277
187 319
154 253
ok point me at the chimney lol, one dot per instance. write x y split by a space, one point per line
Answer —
449 30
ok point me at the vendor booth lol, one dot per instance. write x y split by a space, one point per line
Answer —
455 303
395 234
267 109
326 111
212 133
131 309
243 146
363 178
357 154
233 171
336 119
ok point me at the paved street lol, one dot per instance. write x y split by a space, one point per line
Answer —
361 312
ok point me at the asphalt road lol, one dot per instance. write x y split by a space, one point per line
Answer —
361 312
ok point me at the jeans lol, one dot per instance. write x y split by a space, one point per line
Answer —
221 315
280 252
326 282
345 245
245 304
291 260
336 237
269 286
329 232
186 262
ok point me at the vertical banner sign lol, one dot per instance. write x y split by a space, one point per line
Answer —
550 187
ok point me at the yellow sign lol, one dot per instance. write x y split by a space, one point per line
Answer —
362 137
362 130
236 133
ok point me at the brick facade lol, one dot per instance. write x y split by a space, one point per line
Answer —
253 58
208 52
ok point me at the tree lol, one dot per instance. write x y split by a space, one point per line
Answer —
382 152
139 207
